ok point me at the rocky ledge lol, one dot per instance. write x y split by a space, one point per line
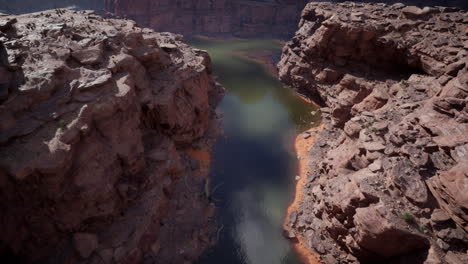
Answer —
102 124
387 177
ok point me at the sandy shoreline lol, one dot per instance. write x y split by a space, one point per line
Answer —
302 145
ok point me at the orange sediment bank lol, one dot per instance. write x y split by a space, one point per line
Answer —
302 146
264 58
203 157
307 100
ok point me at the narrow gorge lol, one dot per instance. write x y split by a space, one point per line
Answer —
233 132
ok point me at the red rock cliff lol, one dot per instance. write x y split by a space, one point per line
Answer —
213 17
387 177
98 122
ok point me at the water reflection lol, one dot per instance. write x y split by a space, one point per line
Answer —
253 161
260 212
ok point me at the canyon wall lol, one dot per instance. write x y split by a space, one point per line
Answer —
448 3
239 18
104 141
28 6
386 179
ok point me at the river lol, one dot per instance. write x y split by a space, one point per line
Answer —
253 164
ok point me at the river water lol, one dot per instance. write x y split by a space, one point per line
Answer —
253 164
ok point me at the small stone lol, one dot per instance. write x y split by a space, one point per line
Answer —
382 125
376 166
453 68
444 79
89 56
323 144
439 216
374 146
306 135
398 6
442 244
414 12
298 177
289 234
92 79
167 47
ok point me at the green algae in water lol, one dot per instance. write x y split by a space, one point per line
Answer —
251 82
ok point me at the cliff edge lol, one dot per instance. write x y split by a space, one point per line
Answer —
387 177
101 123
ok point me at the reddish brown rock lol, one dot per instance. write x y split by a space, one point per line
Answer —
98 118
387 176
214 17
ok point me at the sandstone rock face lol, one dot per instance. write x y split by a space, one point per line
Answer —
214 17
387 179
28 6
98 120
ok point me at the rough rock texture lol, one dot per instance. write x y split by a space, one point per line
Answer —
99 120
387 179
27 6
240 18
451 3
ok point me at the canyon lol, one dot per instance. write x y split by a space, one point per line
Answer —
386 179
239 18
228 18
105 135
107 131
29 6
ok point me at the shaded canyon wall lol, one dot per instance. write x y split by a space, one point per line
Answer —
28 6
214 17
101 123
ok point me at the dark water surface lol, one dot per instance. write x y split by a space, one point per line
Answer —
253 163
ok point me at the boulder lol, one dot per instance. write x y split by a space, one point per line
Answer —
89 56
381 234
449 188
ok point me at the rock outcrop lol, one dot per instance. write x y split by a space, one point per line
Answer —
28 6
100 125
240 18
387 178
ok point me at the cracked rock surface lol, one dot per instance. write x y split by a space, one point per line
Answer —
388 175
99 118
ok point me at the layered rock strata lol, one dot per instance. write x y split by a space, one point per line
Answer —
238 18
28 6
101 123
387 177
